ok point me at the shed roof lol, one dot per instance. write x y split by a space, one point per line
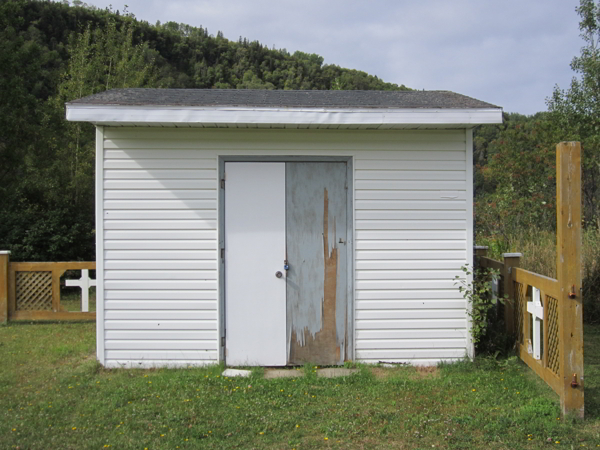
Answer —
282 109
280 98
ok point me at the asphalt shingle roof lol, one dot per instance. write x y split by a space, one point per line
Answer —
283 99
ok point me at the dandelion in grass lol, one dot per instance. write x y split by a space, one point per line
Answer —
326 439
474 390
262 432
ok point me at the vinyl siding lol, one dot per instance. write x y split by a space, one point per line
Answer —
411 228
160 240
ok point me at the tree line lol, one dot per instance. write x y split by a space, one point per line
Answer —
51 53
515 182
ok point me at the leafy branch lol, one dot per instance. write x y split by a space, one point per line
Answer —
479 293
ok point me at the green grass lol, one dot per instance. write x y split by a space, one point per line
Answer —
53 394
70 299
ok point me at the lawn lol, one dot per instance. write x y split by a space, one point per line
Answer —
53 394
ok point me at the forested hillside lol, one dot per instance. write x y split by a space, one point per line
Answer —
51 53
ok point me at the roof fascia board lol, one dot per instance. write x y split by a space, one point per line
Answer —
245 115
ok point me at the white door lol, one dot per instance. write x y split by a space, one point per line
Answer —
255 298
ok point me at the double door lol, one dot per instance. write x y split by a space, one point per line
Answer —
286 286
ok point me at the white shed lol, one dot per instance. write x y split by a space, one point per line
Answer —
281 227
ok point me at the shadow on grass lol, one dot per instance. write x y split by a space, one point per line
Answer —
591 353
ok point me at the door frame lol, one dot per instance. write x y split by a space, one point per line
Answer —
349 227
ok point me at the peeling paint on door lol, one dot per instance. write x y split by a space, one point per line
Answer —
316 251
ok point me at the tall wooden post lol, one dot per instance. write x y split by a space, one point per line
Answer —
4 258
510 260
568 270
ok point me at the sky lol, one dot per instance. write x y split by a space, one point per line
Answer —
511 53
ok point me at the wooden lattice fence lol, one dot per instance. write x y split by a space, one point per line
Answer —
544 314
31 290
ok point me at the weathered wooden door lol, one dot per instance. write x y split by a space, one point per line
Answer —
316 235
286 263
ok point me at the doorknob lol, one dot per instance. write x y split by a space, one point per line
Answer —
278 274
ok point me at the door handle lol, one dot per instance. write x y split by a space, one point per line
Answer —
278 274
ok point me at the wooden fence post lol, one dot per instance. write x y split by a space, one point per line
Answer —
510 260
480 250
568 271
4 259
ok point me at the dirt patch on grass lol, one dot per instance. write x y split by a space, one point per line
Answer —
426 372
381 372
414 372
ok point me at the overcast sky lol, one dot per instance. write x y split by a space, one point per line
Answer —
510 53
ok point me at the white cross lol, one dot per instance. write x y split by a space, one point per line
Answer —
84 283
536 309
495 288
